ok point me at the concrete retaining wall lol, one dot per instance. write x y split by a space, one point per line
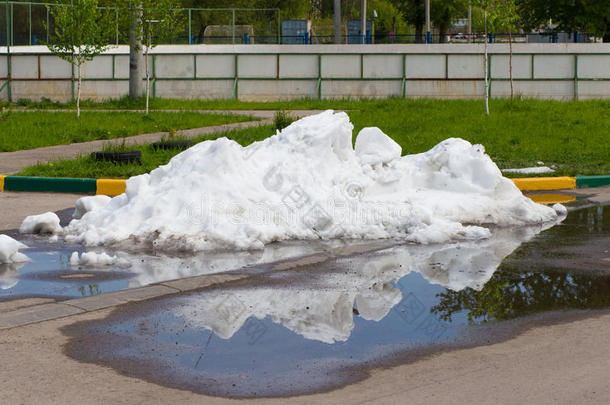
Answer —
272 72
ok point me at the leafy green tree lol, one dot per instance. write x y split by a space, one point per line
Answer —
82 31
503 17
414 12
591 16
444 12
511 293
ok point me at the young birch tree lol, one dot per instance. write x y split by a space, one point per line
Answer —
82 32
503 17
160 20
485 5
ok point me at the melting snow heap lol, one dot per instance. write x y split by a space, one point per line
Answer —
308 182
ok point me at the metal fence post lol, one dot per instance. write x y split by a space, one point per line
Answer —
575 77
279 27
190 28
8 56
116 20
12 22
30 25
319 77
236 76
233 25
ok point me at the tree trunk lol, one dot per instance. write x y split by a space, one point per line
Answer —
510 64
147 79
606 36
135 53
486 68
79 64
418 33
337 10
442 33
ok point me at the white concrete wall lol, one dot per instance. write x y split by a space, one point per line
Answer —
273 72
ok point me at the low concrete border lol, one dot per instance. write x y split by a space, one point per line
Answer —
51 311
110 187
49 184
545 183
592 181
113 187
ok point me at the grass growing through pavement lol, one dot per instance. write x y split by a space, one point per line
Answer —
27 130
571 135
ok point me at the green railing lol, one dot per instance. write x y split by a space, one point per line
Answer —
28 23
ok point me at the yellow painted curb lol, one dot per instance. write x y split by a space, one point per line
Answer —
110 187
551 198
545 183
2 183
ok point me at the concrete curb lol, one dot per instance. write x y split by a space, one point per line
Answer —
545 183
49 184
113 187
61 309
110 187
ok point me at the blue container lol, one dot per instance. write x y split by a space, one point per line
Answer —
295 32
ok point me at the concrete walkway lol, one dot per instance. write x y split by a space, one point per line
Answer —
14 207
563 361
13 162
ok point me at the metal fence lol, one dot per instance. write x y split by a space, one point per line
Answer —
29 23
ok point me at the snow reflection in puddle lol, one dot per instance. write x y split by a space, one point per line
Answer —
316 327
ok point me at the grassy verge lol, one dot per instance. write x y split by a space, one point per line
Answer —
570 135
87 167
27 130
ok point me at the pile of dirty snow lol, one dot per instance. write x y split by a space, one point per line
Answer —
86 204
96 260
530 170
9 250
308 182
43 223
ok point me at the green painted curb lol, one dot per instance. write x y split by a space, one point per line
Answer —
51 184
109 186
592 181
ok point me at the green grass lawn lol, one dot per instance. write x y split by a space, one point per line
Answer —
27 130
574 136
87 167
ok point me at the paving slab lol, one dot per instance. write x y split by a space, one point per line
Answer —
37 313
121 297
194 283
13 305
303 261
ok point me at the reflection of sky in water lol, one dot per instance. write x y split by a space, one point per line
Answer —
264 353
42 276
52 261
297 330
345 312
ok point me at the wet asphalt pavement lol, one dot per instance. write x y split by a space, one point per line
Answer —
295 328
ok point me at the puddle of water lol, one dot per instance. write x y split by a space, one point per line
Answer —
317 327
49 273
